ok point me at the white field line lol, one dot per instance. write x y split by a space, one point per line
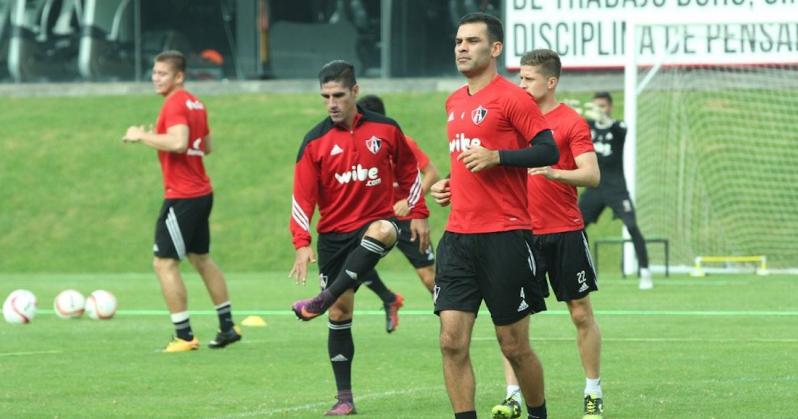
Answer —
644 340
327 404
29 353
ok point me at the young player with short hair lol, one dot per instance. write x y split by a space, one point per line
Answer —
183 139
559 238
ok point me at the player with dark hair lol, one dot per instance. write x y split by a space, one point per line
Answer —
346 165
486 251
422 261
183 139
559 239
609 136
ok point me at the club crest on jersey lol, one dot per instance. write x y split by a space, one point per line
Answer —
374 144
478 115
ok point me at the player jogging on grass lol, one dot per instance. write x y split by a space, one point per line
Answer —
486 251
183 139
559 239
346 166
422 261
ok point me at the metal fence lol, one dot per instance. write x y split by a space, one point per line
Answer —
110 40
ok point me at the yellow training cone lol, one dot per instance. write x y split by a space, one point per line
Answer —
254 321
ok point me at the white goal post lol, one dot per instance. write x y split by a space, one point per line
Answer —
711 154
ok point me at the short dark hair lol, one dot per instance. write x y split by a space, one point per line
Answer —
495 28
339 71
603 95
546 59
174 58
372 103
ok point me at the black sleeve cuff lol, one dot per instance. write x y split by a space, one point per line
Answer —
543 152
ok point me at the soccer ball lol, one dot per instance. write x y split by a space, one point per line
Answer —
69 304
101 305
19 307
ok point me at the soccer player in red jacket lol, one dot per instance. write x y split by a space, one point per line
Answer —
486 251
183 139
559 232
346 166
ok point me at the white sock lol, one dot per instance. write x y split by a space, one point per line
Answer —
593 387
179 317
645 273
514 391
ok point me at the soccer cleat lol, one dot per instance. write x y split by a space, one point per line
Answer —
594 407
392 313
510 408
180 345
646 283
306 310
223 339
341 409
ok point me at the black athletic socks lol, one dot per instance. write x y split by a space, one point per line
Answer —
225 316
341 349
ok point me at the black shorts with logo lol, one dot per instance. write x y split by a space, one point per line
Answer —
593 201
409 248
565 259
334 248
496 267
183 228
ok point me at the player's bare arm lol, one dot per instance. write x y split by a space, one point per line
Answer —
586 173
441 192
304 256
174 141
419 230
430 176
207 141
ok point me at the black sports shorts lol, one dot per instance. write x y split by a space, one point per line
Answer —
183 228
334 248
496 267
565 259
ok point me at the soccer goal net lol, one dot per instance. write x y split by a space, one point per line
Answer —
712 109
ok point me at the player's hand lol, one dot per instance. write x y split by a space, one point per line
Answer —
134 134
441 192
545 171
401 208
478 158
299 272
419 230
595 113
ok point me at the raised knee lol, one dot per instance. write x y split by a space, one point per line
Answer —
382 230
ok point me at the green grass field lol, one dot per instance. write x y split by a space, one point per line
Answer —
75 199
723 346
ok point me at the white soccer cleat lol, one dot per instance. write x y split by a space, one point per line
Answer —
646 283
